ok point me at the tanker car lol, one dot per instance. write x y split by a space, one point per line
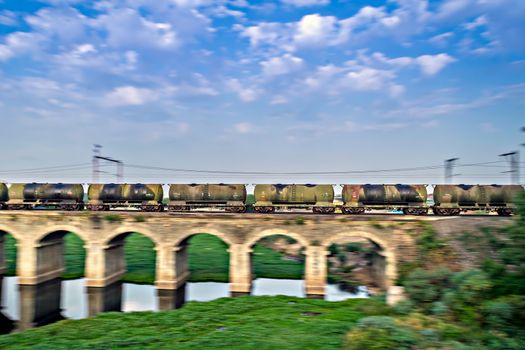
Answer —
3 196
146 197
230 197
453 199
49 195
318 198
411 199
357 198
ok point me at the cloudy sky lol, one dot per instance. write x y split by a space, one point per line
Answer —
244 85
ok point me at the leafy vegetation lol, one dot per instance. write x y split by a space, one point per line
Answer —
113 218
228 323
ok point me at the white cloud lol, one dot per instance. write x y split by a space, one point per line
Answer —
264 33
432 64
244 128
5 53
441 39
8 18
368 79
279 100
281 65
127 28
246 94
303 3
314 29
478 22
396 90
130 96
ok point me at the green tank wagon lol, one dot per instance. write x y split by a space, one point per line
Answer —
58 195
230 197
147 197
411 199
453 199
320 198
4 196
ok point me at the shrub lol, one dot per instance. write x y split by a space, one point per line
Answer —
426 287
113 218
380 332
354 247
428 240
333 249
299 220
341 257
140 218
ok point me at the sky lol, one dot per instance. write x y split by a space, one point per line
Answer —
289 86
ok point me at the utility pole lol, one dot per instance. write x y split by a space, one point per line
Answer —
514 160
449 169
96 155
523 144
96 164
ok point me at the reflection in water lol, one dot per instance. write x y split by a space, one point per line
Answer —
105 299
6 324
39 304
54 300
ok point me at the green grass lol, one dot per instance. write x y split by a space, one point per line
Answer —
140 259
228 323
74 256
267 263
207 254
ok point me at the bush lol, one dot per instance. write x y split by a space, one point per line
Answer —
427 240
426 287
299 220
354 247
341 257
113 218
333 249
505 314
380 332
140 218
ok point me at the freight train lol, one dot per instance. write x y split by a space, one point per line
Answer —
356 198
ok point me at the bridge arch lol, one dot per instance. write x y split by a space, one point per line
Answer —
385 251
272 232
62 229
186 235
5 229
122 232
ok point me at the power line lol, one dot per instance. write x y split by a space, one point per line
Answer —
58 167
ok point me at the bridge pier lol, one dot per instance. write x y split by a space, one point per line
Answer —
105 264
38 262
315 271
240 269
172 267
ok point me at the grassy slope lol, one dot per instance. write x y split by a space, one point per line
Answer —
228 323
208 260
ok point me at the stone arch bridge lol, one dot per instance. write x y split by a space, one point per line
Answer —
40 246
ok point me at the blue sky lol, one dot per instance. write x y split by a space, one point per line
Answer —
284 86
